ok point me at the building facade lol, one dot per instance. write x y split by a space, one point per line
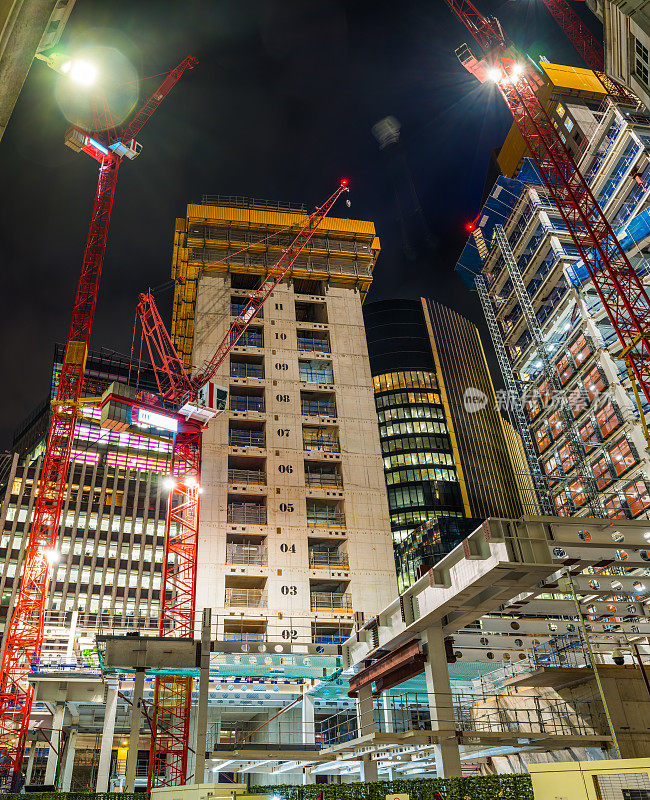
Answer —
111 544
444 449
580 405
295 538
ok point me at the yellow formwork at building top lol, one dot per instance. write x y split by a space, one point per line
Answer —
591 780
559 80
209 238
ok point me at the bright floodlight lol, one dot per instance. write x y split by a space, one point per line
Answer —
494 74
52 556
81 71
169 483
516 70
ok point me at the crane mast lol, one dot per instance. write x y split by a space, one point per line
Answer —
24 635
173 694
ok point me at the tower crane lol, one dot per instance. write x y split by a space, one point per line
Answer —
108 145
619 288
189 398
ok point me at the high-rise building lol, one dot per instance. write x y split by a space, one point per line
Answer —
442 438
580 406
294 519
113 519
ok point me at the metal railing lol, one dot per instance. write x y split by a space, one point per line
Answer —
254 554
565 650
331 601
251 339
324 444
237 308
326 480
245 438
515 714
239 369
328 559
255 476
245 403
316 344
246 513
323 516
316 376
245 598
318 408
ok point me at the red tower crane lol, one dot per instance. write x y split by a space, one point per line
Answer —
24 634
173 694
621 291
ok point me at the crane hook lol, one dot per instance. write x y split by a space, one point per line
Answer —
347 202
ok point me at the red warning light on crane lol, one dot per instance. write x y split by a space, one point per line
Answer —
344 181
470 226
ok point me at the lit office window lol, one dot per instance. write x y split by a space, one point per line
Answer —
641 61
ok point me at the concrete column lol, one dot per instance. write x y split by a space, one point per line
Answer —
69 651
204 686
308 732
67 763
441 709
369 770
56 736
387 720
134 735
30 762
365 711
308 724
106 748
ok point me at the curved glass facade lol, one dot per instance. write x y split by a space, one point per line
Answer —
421 477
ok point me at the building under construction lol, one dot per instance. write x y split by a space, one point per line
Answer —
558 349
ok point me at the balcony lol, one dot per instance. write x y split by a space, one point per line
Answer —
257 477
246 598
321 444
318 408
239 402
244 369
312 373
323 515
323 480
328 558
331 601
245 438
246 554
318 344
251 339
246 514
237 306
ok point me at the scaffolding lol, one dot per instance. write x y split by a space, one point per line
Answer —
588 482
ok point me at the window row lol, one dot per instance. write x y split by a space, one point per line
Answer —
415 379
312 403
415 443
406 398
411 412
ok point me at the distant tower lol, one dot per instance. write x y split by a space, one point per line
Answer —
416 236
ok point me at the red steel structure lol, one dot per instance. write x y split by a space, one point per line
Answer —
173 694
589 48
24 635
578 33
617 284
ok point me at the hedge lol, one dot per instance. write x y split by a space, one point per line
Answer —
483 787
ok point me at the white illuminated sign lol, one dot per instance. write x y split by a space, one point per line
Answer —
146 417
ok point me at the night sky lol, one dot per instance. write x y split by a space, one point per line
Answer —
280 107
